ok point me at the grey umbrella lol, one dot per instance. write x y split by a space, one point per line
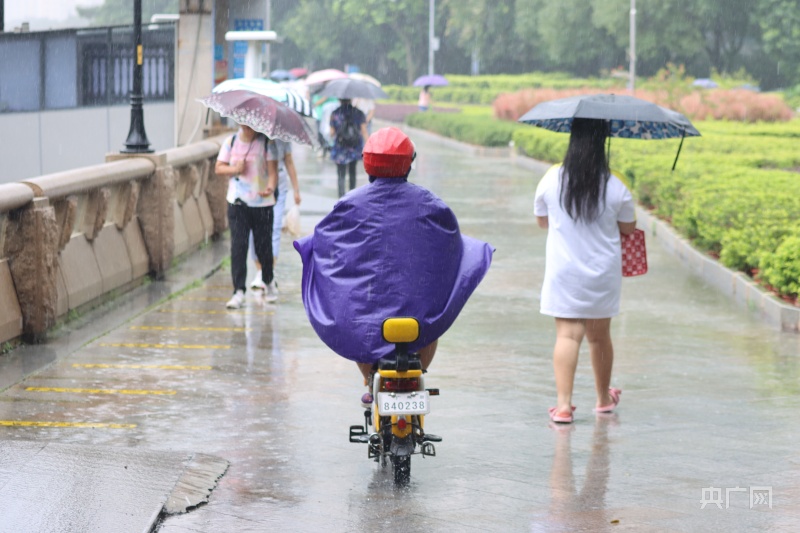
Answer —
347 89
628 117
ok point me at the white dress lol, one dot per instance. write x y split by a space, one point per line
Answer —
583 267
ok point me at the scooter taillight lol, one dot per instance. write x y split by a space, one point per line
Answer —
401 385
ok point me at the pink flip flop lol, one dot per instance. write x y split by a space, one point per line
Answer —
555 416
614 393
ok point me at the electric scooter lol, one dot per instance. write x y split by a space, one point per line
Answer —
400 403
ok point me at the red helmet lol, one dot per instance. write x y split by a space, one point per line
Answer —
388 154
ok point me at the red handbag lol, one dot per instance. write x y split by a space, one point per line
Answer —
634 254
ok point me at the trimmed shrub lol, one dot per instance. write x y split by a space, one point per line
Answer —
738 105
781 268
468 128
483 90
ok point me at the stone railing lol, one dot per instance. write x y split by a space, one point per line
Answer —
70 238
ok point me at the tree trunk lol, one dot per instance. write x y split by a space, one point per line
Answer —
411 65
714 51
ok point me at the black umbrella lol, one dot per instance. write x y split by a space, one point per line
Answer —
628 117
347 89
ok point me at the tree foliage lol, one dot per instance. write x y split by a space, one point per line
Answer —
489 31
726 27
402 28
780 26
113 12
572 39
389 38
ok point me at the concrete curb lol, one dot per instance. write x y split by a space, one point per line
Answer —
736 285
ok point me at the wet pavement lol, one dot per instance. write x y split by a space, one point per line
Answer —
706 430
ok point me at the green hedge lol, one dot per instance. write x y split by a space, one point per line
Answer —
464 89
473 129
484 89
458 95
781 268
735 193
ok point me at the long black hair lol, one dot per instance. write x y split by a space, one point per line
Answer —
586 170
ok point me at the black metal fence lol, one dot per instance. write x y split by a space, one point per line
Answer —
83 67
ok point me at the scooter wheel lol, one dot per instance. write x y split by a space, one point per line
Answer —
402 469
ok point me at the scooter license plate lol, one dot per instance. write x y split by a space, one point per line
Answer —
404 403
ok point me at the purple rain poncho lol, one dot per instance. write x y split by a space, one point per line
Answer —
389 249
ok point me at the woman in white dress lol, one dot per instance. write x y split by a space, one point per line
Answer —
584 208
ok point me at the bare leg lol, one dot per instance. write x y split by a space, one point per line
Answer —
598 333
366 370
569 334
426 354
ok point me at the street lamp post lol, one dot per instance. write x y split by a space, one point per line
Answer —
431 36
268 28
632 68
137 142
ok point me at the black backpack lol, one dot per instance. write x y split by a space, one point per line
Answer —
350 134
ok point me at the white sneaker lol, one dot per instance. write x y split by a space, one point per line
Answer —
271 294
237 301
259 297
258 284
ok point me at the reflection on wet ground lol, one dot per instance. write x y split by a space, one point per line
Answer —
710 397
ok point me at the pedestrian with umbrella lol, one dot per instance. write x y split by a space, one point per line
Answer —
426 82
250 159
349 132
243 158
366 105
586 210
348 126
280 151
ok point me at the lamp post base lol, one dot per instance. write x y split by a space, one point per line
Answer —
137 142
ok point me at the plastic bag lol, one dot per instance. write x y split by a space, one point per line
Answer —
292 221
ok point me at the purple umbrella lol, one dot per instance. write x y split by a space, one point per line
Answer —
432 80
272 118
705 83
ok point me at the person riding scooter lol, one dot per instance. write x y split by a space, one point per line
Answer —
388 249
